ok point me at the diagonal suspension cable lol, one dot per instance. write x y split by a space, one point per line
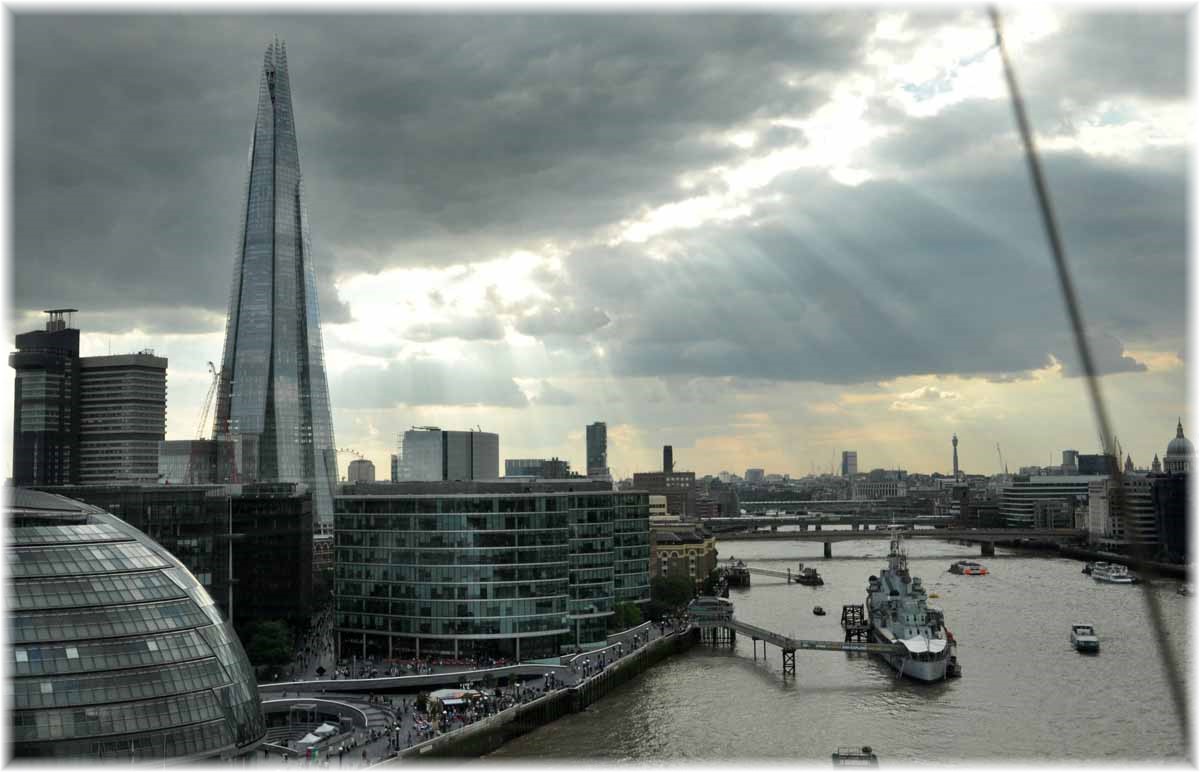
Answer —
1170 666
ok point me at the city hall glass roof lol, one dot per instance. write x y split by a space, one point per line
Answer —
115 650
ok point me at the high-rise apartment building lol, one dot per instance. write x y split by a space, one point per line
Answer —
395 467
46 403
427 454
122 417
272 396
597 450
849 463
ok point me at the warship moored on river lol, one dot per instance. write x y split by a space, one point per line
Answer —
897 613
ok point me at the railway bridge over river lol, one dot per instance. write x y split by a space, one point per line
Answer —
985 537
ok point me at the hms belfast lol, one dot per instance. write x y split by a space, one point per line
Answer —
897 613
272 398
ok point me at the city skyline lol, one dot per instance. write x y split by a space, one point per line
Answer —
828 245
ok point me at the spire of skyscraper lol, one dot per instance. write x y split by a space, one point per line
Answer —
273 398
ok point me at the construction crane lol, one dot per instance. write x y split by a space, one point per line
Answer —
1003 465
202 427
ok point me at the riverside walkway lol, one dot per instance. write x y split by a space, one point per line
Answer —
392 725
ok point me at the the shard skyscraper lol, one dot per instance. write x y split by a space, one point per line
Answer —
272 399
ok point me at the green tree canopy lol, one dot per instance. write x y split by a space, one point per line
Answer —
672 591
270 644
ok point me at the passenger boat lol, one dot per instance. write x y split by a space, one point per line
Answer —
1111 573
818 611
1083 638
968 568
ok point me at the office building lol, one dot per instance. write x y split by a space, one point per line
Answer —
521 570
196 462
428 454
89 420
122 417
597 450
1106 526
1070 462
678 487
668 459
878 488
1096 464
1018 497
755 475
360 470
272 395
395 468
271 551
523 467
115 652
45 442
849 463
1169 497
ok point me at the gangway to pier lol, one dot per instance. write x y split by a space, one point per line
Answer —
724 627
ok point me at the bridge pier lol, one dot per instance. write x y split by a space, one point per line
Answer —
987 548
828 549
789 661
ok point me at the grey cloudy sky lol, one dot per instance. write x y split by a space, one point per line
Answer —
761 239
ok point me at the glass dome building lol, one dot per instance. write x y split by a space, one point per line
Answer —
115 651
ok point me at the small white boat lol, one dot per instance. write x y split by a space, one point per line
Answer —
1111 573
1083 638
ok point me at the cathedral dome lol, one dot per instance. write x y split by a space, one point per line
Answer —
1180 446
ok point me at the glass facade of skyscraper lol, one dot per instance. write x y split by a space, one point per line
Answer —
500 569
272 395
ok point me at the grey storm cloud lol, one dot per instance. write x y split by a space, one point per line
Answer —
422 138
438 140
939 274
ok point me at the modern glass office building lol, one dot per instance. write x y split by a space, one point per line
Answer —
272 397
115 650
522 570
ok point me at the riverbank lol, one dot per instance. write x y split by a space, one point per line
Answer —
489 734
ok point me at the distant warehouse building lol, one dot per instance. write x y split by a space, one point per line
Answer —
523 570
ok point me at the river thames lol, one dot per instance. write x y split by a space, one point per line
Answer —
1025 696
